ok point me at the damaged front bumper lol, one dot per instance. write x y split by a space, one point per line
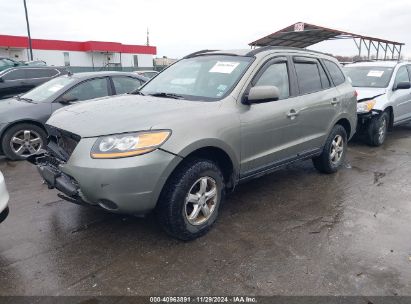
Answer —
48 167
363 119
128 185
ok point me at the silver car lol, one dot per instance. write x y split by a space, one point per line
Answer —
195 131
384 96
4 199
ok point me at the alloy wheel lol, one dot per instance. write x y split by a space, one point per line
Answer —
26 142
201 201
337 149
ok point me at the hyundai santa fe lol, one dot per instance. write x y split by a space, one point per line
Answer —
210 121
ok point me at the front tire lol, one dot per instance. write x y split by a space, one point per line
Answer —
377 130
23 140
189 203
333 154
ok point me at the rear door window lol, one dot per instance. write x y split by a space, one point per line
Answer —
89 89
335 72
308 75
125 84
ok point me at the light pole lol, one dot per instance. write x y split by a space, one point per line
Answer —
28 30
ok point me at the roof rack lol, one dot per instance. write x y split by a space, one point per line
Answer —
198 53
288 48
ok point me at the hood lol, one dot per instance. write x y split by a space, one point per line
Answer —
123 113
369 93
11 107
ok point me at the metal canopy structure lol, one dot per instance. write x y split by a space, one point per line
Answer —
302 35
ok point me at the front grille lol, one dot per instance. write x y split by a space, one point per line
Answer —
68 143
65 141
54 162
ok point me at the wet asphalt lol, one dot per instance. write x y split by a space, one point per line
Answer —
294 232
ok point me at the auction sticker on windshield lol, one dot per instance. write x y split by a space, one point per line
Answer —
375 73
55 88
224 67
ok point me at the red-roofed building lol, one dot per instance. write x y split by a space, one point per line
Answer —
86 55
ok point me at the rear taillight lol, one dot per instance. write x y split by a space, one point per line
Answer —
355 93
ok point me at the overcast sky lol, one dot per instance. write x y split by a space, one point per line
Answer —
182 26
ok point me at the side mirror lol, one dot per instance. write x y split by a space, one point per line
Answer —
1 79
261 94
16 64
403 85
66 99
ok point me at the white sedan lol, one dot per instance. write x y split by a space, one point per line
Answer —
4 199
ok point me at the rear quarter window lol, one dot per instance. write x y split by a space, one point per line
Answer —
324 78
335 72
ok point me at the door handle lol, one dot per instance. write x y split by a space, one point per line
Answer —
335 101
292 114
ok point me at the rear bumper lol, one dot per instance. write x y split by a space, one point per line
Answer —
128 185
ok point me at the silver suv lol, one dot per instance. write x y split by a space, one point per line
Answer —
384 96
207 123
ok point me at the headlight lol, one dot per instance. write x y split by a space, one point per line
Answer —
128 144
365 106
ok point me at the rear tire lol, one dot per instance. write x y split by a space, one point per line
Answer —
333 154
377 130
29 137
187 193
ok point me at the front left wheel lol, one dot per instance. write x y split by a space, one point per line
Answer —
189 203
23 140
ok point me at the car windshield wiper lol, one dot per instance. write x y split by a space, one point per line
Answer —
137 92
24 99
167 95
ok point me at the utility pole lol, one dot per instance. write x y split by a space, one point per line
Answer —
28 30
148 38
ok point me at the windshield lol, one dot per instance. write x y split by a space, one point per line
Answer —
44 91
209 77
369 76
